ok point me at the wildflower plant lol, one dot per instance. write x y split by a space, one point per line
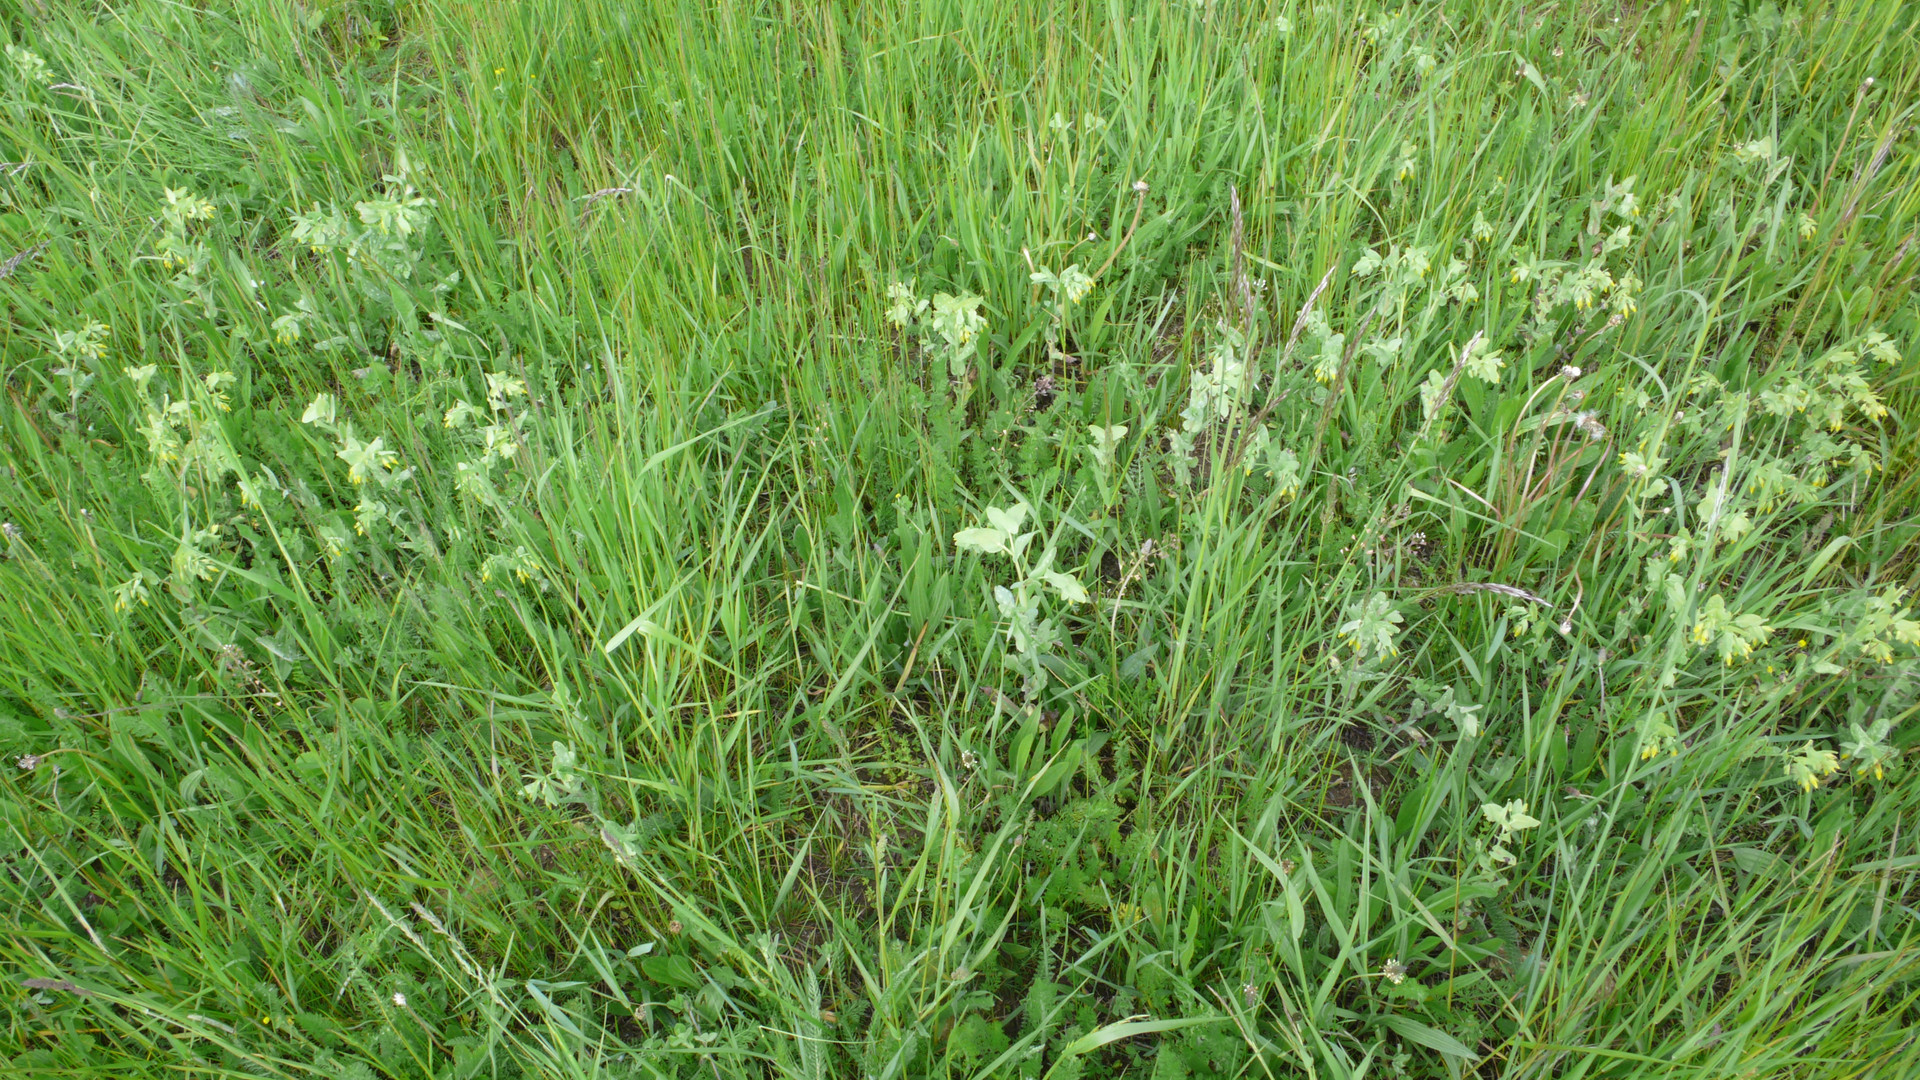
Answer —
957 323
951 324
1401 272
1032 635
1069 286
27 66
1218 394
498 438
80 350
1881 626
904 307
1869 748
1481 361
381 236
1808 764
1658 735
370 467
1448 703
521 564
1372 628
1733 636
134 590
1276 462
1067 289
84 344
289 327
179 215
1492 856
1104 443
562 783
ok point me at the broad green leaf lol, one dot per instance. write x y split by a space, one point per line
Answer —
1755 861
1067 586
1532 75
640 625
1429 1037
991 541
1126 1029
1007 521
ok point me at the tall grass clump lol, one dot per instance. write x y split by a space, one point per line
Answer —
1165 539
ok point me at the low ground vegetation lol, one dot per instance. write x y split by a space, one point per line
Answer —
946 539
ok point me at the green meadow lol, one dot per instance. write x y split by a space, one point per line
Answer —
1162 539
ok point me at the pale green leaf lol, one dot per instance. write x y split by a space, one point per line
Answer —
1007 521
1067 586
985 540
640 625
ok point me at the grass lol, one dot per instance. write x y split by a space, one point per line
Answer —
1435 606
